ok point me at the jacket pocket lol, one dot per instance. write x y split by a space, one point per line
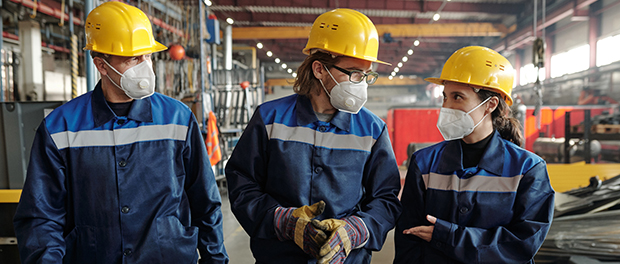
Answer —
177 243
81 246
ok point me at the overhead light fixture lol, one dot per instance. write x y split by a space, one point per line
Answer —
294 75
269 54
289 70
208 2
405 59
416 43
277 60
410 51
436 16
390 77
284 66
396 69
393 74
230 21
400 64
401 77
259 45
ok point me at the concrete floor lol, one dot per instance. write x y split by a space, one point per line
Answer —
237 241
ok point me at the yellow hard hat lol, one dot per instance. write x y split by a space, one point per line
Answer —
481 67
119 29
346 32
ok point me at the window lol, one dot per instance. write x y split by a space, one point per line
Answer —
528 74
574 60
608 50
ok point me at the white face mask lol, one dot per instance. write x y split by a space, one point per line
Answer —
456 124
347 96
138 82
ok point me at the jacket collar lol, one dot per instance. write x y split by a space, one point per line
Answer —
492 160
305 114
140 109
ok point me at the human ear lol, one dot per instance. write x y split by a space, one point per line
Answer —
100 66
492 104
317 69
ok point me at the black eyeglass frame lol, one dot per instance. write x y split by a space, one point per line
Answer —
365 75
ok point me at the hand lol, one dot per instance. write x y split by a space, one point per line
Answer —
293 224
345 235
423 232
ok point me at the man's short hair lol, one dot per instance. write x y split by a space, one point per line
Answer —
94 54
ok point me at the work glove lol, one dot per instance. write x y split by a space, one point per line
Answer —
294 224
346 234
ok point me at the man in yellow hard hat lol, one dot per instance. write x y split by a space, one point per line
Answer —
120 174
313 178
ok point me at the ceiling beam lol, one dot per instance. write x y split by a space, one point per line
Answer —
397 31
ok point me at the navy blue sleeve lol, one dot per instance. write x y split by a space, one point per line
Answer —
245 175
409 247
41 214
204 198
380 207
517 242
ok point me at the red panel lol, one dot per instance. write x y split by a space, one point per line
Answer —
418 125
552 121
412 125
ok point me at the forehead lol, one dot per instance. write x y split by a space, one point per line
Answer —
452 87
354 63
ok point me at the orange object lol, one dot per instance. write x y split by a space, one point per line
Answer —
177 52
212 140
245 84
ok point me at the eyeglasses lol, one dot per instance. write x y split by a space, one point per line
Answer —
357 76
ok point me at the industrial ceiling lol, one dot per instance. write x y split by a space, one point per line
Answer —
282 27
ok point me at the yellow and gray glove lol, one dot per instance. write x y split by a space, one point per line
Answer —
293 224
346 234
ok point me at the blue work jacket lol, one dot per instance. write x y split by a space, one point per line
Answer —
107 189
497 212
287 157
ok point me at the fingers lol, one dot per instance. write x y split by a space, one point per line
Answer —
431 219
329 254
317 209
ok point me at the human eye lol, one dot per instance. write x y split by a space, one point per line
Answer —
356 76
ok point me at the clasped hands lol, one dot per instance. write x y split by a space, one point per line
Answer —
329 240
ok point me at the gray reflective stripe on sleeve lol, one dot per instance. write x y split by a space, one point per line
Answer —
319 139
98 138
476 183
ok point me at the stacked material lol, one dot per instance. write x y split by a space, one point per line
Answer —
587 224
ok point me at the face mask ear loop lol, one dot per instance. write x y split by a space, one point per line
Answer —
485 116
112 68
330 75
330 96
479 105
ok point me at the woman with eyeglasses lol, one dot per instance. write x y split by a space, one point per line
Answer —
477 197
313 178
